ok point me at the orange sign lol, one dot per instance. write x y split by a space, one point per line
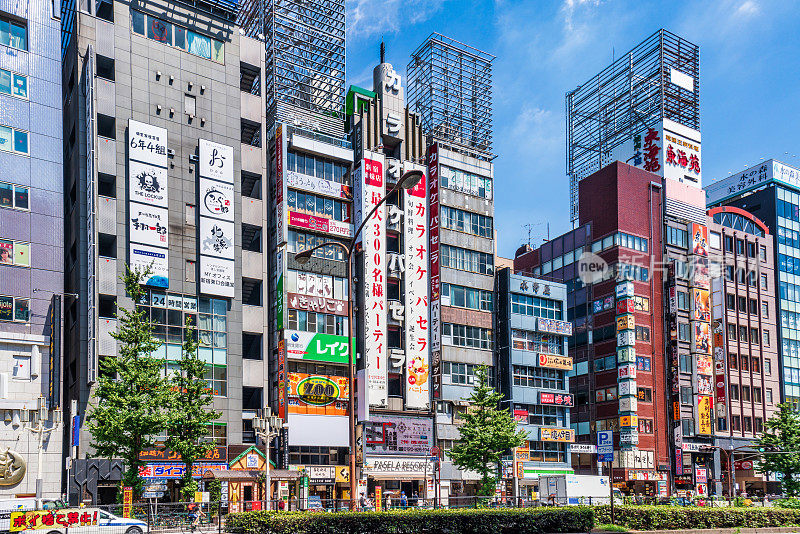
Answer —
555 361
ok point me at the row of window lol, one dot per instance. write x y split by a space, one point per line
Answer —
547 451
788 264
316 285
464 373
536 306
461 335
14 196
319 167
536 341
752 308
790 238
321 323
678 237
788 210
13 84
13 33
744 276
748 335
467 260
465 182
15 309
173 35
540 415
13 140
466 221
748 426
741 248
300 241
745 391
538 377
317 205
750 364
620 239
15 253
467 297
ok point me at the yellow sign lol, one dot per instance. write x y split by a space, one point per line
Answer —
378 498
342 474
704 410
555 361
522 454
127 501
626 322
629 421
565 435
57 520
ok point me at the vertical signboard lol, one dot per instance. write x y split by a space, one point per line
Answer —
54 367
416 294
370 184
435 282
280 185
148 217
91 352
216 209
701 328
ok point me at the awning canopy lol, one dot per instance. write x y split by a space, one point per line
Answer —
246 475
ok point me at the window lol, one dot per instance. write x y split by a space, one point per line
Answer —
748 423
14 309
686 395
732 332
751 250
765 309
13 33
645 395
536 341
317 205
743 334
714 240
642 333
22 367
734 392
744 362
467 260
765 338
733 361
762 253
739 246
300 241
754 336
746 393
467 297
536 306
730 301
538 377
173 35
757 395
13 140
547 451
763 281
768 393
683 332
755 364
753 307
15 253
736 423
466 221
677 237
467 336
13 84
759 425
728 243
683 300
685 363
465 182
14 196
319 167
217 434
767 367
464 373
743 304
321 323
687 427
645 426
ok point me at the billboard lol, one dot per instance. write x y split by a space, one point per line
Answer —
701 305
148 225
699 235
417 284
216 199
147 143
701 341
216 210
216 238
216 277
142 256
216 161
316 304
318 394
705 425
754 177
667 149
433 257
389 434
563 435
553 326
555 361
147 184
319 186
320 224
316 347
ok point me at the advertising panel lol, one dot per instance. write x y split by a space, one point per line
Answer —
626 387
216 199
625 306
316 347
369 184
320 224
681 157
433 256
316 304
626 355
319 186
318 394
701 305
398 467
704 364
626 338
175 470
626 371
385 434
416 291
147 143
216 238
705 425
626 322
699 235
282 380
628 404
701 341
142 257
216 161
216 277
556 399
148 225
631 421
719 368
555 361
623 290
704 386
553 326
563 435
147 184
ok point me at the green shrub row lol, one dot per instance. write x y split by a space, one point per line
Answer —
694 517
478 521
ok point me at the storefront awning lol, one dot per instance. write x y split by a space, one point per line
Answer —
246 475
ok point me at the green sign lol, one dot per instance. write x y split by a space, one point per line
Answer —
316 347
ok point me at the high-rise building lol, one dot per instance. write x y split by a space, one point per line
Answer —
771 192
643 109
449 87
746 383
163 130
31 257
533 367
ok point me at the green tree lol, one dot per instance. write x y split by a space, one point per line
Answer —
131 393
782 434
190 410
488 431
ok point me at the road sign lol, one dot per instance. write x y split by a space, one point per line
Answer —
152 494
605 446
155 487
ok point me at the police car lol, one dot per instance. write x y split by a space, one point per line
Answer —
64 520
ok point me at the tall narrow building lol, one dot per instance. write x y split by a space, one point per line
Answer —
31 251
450 88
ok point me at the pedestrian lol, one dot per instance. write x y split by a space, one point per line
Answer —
362 502
415 499
281 505
403 500
388 501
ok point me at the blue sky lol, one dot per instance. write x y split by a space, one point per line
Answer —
749 81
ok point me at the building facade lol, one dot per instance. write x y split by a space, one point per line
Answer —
460 229
31 257
164 166
533 367
744 334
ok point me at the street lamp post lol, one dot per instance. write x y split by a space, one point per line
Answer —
408 180
42 416
267 428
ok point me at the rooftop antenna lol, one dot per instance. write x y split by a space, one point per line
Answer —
528 227
383 51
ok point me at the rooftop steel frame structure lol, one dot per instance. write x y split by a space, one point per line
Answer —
634 93
305 60
450 87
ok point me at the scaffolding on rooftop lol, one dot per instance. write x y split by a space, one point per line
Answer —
305 60
450 87
630 95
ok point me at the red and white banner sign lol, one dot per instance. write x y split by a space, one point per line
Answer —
320 224
369 182
417 284
433 249
316 304
558 399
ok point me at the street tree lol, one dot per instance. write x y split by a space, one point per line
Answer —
487 432
190 410
782 435
132 392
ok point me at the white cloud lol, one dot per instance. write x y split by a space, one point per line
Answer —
747 9
571 6
366 18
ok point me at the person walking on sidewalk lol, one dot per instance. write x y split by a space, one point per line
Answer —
403 500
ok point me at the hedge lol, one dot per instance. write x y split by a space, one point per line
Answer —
694 517
478 521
